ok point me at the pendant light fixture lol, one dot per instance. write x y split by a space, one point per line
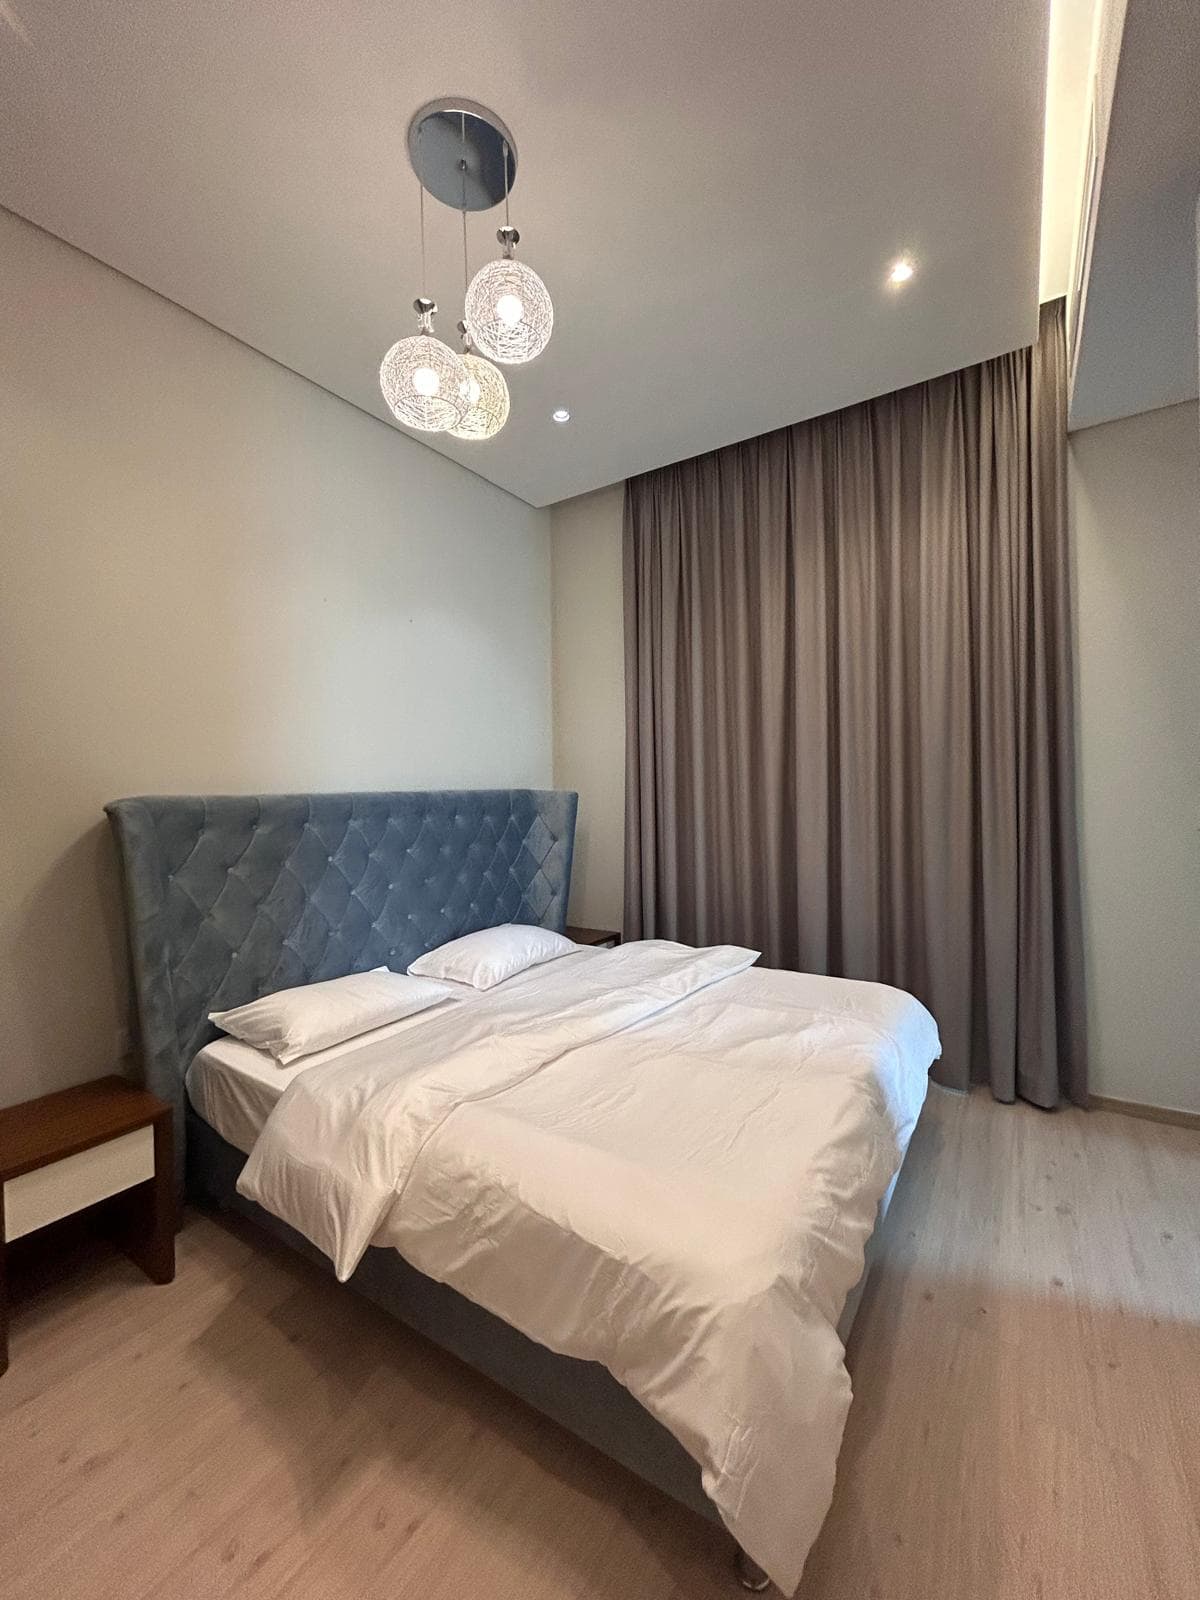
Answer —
465 157
487 392
423 381
509 313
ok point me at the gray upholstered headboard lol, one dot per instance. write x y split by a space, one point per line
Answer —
232 897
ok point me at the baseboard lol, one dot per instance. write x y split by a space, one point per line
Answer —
1134 1108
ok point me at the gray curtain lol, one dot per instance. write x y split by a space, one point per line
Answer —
849 709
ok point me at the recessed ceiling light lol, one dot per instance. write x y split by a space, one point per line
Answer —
561 415
902 270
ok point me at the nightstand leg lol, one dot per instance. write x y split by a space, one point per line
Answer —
3 1308
152 1246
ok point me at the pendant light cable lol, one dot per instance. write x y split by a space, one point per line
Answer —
421 204
488 391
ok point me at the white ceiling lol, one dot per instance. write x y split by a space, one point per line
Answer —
1137 346
713 192
1068 95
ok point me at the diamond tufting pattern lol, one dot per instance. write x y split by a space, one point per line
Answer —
232 897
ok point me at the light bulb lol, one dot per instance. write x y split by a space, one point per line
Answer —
510 310
425 381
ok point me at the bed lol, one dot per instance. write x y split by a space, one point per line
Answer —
229 898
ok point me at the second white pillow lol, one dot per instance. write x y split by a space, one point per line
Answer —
488 957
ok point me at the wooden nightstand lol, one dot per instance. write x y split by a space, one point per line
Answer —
73 1149
602 938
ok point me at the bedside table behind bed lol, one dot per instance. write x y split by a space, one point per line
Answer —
601 938
67 1151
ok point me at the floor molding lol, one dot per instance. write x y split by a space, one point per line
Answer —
1134 1108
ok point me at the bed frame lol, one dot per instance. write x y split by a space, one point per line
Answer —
228 898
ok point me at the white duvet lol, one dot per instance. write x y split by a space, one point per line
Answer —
662 1159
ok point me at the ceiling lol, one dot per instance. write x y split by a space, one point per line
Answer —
713 193
1068 96
1136 346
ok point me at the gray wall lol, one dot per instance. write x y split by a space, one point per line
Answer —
1135 498
216 576
589 705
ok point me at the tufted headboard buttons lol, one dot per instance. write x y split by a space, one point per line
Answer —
231 897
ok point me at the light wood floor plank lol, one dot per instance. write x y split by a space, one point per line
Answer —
1026 1423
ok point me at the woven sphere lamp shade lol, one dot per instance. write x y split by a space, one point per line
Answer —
509 313
425 383
487 396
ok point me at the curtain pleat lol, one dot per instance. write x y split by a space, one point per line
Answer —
849 709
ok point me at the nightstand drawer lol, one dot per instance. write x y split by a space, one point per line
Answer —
62 1187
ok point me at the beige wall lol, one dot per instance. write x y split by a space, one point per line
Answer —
1136 518
589 708
215 576
1135 491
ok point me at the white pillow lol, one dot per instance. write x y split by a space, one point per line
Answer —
298 1022
488 957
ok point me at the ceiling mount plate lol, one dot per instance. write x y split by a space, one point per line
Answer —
457 149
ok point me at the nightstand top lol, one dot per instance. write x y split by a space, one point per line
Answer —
57 1125
593 935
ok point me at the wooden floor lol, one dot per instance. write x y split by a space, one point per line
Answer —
1026 1423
